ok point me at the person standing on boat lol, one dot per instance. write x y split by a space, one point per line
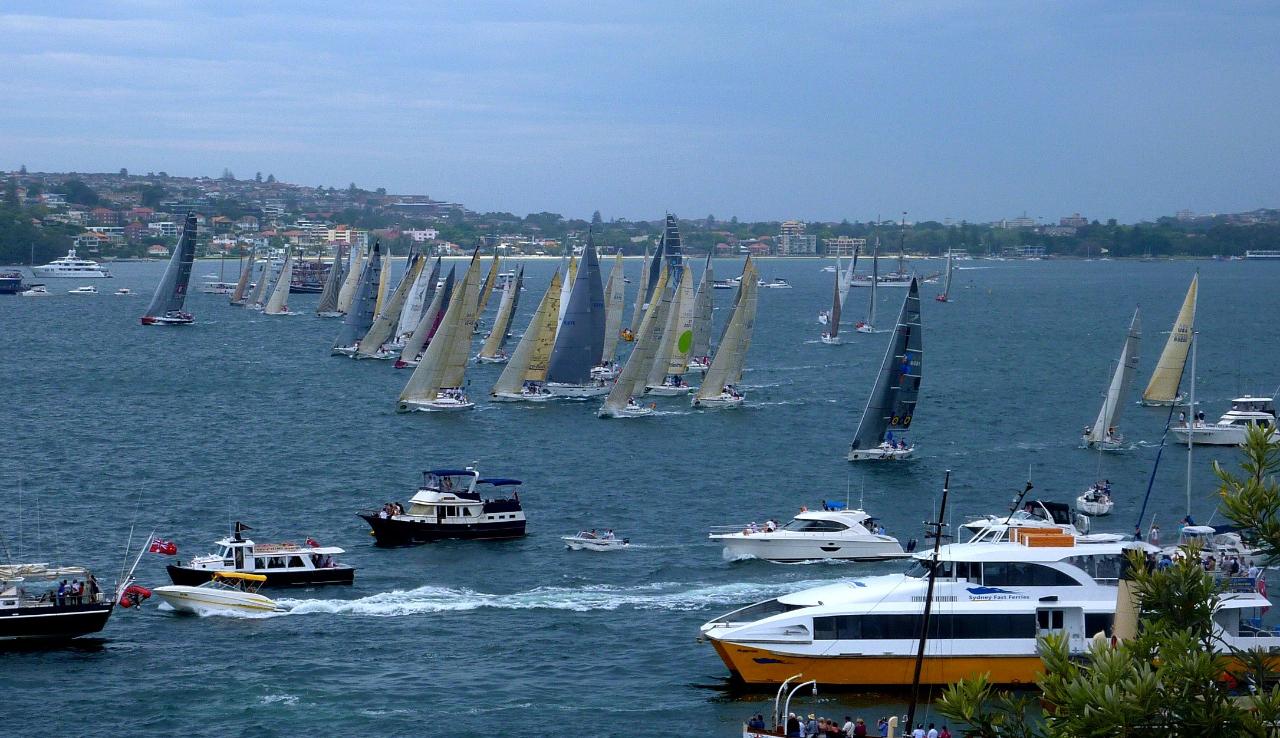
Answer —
1154 536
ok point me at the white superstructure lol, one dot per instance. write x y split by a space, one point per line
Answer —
813 535
71 267
1233 426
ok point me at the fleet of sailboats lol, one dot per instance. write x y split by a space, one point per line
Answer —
1162 390
328 306
884 431
278 302
1104 433
621 401
377 341
428 324
363 306
666 376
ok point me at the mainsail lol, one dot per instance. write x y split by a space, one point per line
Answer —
384 279
702 309
238 297
642 294
946 280
417 341
731 356
444 363
264 283
833 322
847 281
875 281
355 268
892 403
384 325
497 337
673 354
529 360
1109 415
487 289
332 286
615 295
580 337
278 303
1163 387
420 294
632 379
566 286
358 319
171 293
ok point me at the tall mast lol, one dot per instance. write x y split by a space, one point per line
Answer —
902 245
1191 419
928 602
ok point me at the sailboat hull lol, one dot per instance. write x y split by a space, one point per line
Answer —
830 340
500 359
1179 400
881 454
724 399
637 411
577 390
180 319
520 397
864 328
439 405
663 390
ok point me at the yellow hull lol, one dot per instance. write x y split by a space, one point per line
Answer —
761 666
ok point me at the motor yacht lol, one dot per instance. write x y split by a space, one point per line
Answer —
529 392
606 372
672 386
123 292
833 533
590 540
885 451
11 282
632 409
226 591
36 290
596 388
1222 543
71 266
215 287
86 290
1233 426
777 283
283 564
449 504
724 284
992 601
446 400
1035 514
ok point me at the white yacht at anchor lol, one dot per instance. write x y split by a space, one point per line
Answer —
71 267
833 533
1233 426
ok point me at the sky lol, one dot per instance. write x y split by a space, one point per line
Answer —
760 110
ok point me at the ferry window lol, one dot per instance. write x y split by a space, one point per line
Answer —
261 562
1049 619
970 570
907 627
1019 574
295 561
1097 623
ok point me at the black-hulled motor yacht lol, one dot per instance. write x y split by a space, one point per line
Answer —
283 564
31 607
450 504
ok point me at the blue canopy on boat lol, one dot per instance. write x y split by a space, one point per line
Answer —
451 472
499 482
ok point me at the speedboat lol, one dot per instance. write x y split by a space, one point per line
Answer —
450 505
1233 426
699 363
86 290
724 284
71 266
123 292
886 451
777 283
1039 514
606 372
36 290
283 564
226 591
589 540
446 400
1096 501
830 340
218 288
1222 543
995 601
499 357
814 535
632 409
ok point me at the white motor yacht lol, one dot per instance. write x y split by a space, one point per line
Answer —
606 372
449 504
590 540
446 400
227 591
1036 514
886 451
1233 426
36 290
529 392
1223 545
596 388
71 267
813 535
86 290
283 564
992 601
123 292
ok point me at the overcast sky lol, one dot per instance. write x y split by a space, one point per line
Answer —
760 110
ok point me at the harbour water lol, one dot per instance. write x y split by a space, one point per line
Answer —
247 417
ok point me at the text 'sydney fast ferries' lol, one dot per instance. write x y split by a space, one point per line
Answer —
992 600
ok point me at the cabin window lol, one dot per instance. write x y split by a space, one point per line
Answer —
1049 619
815 526
1097 623
970 570
1021 574
295 562
907 627
261 562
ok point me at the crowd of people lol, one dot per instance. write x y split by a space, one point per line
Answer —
797 726
73 593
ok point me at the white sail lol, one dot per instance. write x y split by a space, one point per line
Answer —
680 343
1109 415
731 356
649 337
614 303
497 337
946 279
384 325
414 303
1163 387
537 340
847 282
277 304
348 292
264 283
440 366
637 311
417 341
384 279
566 287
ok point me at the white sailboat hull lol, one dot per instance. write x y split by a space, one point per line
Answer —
700 364
880 453
577 390
606 374
575 543
830 340
499 359
864 328
724 399
636 411
330 314
343 350
520 397
441 404
667 391
1094 508
1110 443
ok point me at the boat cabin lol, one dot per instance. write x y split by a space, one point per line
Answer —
456 496
242 554
1249 411
1033 514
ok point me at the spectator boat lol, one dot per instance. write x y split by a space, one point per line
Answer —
449 504
589 540
86 290
226 591
71 267
1233 426
283 564
833 533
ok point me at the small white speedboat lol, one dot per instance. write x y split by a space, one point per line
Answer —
728 397
36 290
86 290
699 363
632 409
528 393
834 532
1096 501
123 292
227 591
587 540
606 372
499 358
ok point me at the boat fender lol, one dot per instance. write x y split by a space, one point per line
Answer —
134 595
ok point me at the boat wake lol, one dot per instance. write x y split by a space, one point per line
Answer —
674 596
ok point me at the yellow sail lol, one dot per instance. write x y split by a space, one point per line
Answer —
545 324
487 290
1163 388
383 281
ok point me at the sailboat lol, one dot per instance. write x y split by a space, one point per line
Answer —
428 324
666 376
703 307
580 335
242 285
355 268
831 336
486 290
420 296
621 402
492 351
614 301
375 343
945 295
720 385
328 307
869 325
171 293
642 297
360 315
566 285
522 377
384 280
278 302
265 281
1162 390
848 276
437 383
886 421
1102 434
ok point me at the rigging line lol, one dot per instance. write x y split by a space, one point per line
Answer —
1151 480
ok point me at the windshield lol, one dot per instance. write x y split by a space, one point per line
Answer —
815 526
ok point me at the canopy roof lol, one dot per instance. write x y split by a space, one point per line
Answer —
499 482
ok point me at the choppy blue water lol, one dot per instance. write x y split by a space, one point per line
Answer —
247 417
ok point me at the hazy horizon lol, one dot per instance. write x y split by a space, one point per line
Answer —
973 111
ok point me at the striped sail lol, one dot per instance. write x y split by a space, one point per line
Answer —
360 315
242 285
384 325
702 309
541 326
332 285
731 357
417 341
440 366
1163 387
580 337
1109 414
355 268
497 337
614 303
892 402
278 303
635 372
637 311
171 293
